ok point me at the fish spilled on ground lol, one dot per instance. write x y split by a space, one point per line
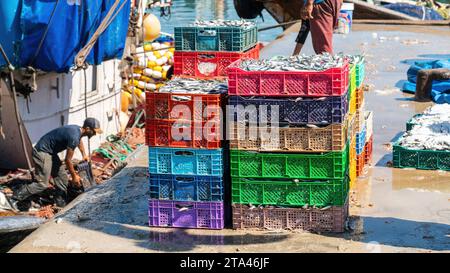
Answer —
318 62
195 86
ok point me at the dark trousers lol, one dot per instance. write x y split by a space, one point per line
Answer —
425 78
46 165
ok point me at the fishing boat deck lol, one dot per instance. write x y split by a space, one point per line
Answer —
401 210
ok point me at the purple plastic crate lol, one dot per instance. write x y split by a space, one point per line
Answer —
326 110
209 215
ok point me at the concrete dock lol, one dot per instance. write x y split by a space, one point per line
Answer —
392 210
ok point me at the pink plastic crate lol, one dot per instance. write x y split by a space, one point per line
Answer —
331 82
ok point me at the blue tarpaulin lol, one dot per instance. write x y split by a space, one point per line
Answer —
440 92
64 27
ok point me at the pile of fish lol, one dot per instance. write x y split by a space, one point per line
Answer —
224 23
431 130
354 59
318 62
195 86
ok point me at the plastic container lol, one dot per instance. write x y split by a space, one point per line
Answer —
176 134
360 141
292 111
332 219
352 78
331 82
360 119
208 215
359 99
189 107
291 139
185 161
289 192
420 159
186 187
352 162
331 165
360 73
348 8
368 150
352 101
360 163
215 38
209 64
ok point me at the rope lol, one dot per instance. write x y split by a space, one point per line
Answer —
80 58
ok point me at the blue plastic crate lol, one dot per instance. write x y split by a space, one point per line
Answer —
215 38
186 187
182 161
361 140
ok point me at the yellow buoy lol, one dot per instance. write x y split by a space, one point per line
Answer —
125 101
152 28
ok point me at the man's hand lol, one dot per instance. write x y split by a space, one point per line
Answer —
86 158
307 10
76 181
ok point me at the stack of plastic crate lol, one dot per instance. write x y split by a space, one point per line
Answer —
185 158
300 179
363 124
206 52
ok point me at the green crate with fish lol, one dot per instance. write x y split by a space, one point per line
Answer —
216 35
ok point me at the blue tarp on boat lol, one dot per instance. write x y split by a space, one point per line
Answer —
420 12
440 91
64 27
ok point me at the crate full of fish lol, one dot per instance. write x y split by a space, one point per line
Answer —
216 35
359 63
308 76
361 162
181 161
427 145
294 111
352 161
183 134
186 187
289 192
248 164
184 214
187 99
328 219
305 139
209 64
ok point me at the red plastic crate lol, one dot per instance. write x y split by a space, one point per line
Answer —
331 82
191 63
191 107
368 148
159 133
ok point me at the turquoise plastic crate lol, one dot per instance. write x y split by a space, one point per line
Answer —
181 161
215 38
360 73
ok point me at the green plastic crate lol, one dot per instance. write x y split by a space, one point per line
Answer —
420 159
288 192
215 38
360 73
410 123
331 165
